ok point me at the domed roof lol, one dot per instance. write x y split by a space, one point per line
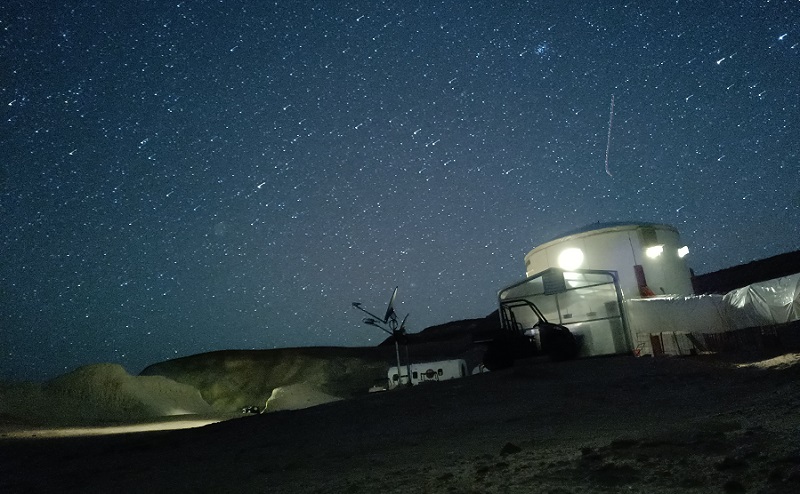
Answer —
601 227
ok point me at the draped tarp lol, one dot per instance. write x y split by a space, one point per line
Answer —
763 304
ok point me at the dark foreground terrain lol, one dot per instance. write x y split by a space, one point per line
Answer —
693 424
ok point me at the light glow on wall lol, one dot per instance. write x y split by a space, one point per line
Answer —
654 251
683 251
570 259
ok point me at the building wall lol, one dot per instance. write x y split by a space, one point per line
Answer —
620 248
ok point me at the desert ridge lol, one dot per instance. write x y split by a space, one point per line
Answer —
662 425
216 384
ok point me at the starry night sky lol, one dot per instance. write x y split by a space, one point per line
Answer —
187 176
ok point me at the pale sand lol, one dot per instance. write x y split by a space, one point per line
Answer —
295 397
20 431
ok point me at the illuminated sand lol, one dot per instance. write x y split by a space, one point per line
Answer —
40 432
297 396
606 425
99 393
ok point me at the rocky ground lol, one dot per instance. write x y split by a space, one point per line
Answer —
690 424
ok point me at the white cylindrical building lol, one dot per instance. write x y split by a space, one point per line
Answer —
649 258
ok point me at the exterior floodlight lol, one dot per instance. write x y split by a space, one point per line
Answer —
654 251
683 251
570 259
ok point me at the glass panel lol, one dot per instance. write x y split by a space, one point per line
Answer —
525 318
588 307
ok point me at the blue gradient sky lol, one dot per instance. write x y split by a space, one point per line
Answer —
186 176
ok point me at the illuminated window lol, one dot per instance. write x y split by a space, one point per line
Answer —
570 259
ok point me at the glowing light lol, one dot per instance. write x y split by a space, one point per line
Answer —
162 425
683 251
654 251
570 259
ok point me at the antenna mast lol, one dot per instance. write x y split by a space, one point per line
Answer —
388 324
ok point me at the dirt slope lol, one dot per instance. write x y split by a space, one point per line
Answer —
602 425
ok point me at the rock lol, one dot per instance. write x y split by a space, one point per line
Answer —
733 486
623 443
510 449
730 463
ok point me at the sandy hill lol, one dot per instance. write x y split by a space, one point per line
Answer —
214 384
232 379
211 384
725 280
460 332
98 394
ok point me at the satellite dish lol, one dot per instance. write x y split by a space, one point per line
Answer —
390 308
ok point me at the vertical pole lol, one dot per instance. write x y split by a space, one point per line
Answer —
408 366
399 369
